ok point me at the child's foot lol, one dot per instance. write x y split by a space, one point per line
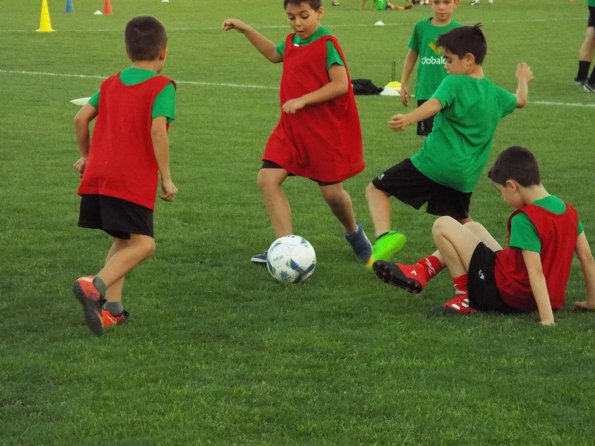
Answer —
407 277
474 2
360 244
259 259
409 6
386 246
336 3
89 297
580 82
108 319
457 305
589 87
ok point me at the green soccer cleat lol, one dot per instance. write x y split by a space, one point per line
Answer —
385 247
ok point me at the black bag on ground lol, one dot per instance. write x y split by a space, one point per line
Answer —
364 86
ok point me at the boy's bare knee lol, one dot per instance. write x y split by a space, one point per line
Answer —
440 225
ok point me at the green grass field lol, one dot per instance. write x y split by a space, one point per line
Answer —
219 353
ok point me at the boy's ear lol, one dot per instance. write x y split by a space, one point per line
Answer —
511 184
162 53
469 59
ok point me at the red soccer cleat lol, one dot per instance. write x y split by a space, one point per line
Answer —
408 277
108 319
90 299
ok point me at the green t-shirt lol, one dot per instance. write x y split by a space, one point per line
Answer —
591 3
332 54
430 63
379 5
523 234
456 151
165 102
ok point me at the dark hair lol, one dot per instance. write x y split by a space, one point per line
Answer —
145 36
515 163
314 4
463 40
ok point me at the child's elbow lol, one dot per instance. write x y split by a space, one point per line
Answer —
521 102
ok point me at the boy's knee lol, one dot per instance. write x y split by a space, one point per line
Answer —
441 223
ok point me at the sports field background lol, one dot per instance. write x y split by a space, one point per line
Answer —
219 353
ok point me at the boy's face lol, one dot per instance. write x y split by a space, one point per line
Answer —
510 194
303 19
457 65
443 9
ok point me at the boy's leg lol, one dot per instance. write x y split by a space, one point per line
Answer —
585 55
126 256
456 244
340 204
483 235
411 278
380 209
269 181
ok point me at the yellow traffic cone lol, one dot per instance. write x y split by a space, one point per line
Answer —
45 25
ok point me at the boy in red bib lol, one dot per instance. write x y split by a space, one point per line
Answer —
544 232
318 135
120 167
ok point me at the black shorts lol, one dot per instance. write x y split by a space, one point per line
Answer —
266 164
119 218
406 183
591 20
424 127
483 293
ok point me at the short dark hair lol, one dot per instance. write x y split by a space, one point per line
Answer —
515 163
145 36
314 4
463 40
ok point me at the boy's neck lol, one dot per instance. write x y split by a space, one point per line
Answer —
434 21
533 193
475 71
152 65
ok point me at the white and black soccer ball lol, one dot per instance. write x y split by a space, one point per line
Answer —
291 259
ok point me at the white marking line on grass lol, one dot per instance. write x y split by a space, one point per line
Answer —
94 76
335 25
232 85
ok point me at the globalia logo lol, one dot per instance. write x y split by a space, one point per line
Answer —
432 60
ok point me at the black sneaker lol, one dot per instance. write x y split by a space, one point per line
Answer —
589 87
581 81
259 259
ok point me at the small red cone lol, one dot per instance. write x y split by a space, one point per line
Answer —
107 7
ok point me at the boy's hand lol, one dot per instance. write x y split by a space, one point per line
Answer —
169 190
584 306
236 24
404 94
293 105
524 72
398 122
80 164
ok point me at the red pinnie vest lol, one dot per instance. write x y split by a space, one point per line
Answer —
121 161
321 141
557 234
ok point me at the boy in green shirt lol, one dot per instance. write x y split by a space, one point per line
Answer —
382 5
422 47
443 173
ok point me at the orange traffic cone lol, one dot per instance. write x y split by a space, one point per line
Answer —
107 7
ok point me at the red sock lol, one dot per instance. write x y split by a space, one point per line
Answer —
460 303
429 267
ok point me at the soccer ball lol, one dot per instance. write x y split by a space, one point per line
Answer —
291 259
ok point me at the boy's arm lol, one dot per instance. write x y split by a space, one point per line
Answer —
161 149
429 108
539 287
410 61
81 128
337 86
523 75
265 46
585 257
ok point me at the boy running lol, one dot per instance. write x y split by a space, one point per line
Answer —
318 135
443 173
120 166
530 274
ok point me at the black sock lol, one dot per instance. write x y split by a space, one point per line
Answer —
583 70
591 79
